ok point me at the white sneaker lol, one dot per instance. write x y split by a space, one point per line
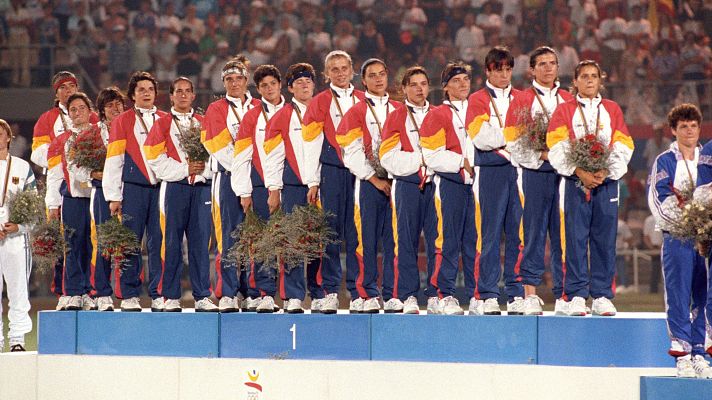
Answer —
294 306
227 305
266 305
371 306
685 368
172 305
356 306
561 307
206 305
702 367
250 304
410 306
434 306
491 307
577 307
330 304
239 301
316 306
131 304
62 303
477 307
603 306
158 304
74 303
105 303
88 303
393 306
516 306
450 306
533 305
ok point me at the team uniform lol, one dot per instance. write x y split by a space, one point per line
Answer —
445 146
704 181
359 135
413 210
221 123
540 182
100 268
15 257
588 222
497 188
284 167
336 183
247 180
185 207
128 180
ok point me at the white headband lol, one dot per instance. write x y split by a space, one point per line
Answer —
238 71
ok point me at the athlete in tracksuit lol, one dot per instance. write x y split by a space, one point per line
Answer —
588 215
184 200
131 188
15 260
359 135
413 210
336 183
50 125
283 167
110 103
449 153
247 176
221 123
67 198
540 182
497 189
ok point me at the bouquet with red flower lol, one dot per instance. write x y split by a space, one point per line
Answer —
116 241
189 140
246 235
87 150
589 153
47 244
531 131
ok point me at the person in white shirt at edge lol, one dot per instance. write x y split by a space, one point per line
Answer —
283 171
411 192
359 135
15 259
247 176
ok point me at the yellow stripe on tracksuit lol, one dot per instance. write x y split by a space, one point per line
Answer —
349 137
520 189
218 142
389 144
474 128
439 213
38 141
217 218
557 135
621 137
92 230
242 144
312 131
272 143
562 219
116 148
478 210
435 141
162 207
152 152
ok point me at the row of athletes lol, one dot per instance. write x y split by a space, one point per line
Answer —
450 175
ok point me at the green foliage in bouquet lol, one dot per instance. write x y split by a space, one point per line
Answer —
246 235
189 140
589 154
87 150
26 207
531 130
116 241
48 244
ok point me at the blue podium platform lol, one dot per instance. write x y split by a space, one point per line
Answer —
665 388
627 340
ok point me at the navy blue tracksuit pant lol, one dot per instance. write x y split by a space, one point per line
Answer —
261 282
590 227
77 225
499 209
291 282
413 213
100 275
227 215
185 210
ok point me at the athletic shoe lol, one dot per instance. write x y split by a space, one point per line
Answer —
227 305
702 367
172 305
74 303
685 368
329 304
17 347
206 305
533 305
477 307
491 307
393 306
105 303
410 306
356 306
434 307
577 307
315 306
62 303
158 304
516 306
371 306
603 306
131 305
450 306
294 306
88 303
561 307
266 305
239 301
250 304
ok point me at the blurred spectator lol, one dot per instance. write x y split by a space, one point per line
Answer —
520 72
387 15
212 70
195 24
488 19
666 63
469 39
442 38
282 54
370 42
655 146
513 8
288 11
188 55
434 10
81 13
344 38
669 30
255 56
169 20
86 48
414 18
581 11
693 59
653 240
286 28
561 27
18 19
47 35
639 28
230 21
62 11
209 42
346 10
612 31
145 18
692 17
266 41
119 56
164 56
510 30
319 40
535 34
568 59
203 8
588 41
141 46
115 15
624 241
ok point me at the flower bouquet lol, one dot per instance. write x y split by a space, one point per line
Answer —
26 207
47 244
87 150
246 235
116 241
589 154
531 131
189 140
689 218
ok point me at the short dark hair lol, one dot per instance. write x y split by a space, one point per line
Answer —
264 71
172 88
81 96
107 95
137 77
498 57
410 72
450 66
299 68
540 51
684 112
